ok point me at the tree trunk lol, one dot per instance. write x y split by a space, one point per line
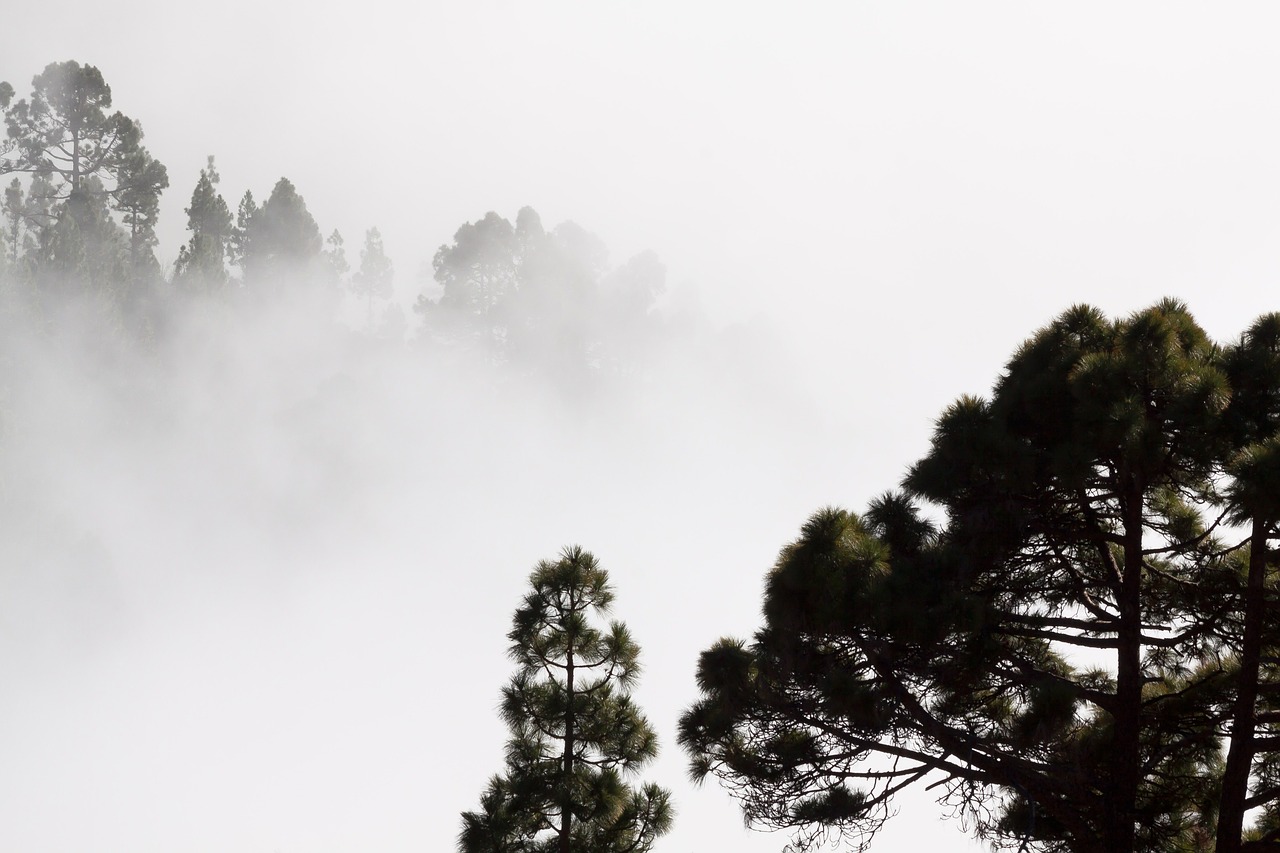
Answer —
1235 778
566 792
1121 821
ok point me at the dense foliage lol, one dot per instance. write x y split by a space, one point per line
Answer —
1065 655
575 732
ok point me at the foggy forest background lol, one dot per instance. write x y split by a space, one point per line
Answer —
251 496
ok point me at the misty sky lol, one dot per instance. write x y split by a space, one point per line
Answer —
827 168
281 615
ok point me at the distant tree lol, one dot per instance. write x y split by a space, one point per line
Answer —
554 317
1064 656
629 294
142 179
375 275
476 274
281 239
574 730
85 249
201 263
14 209
84 162
543 299
238 248
28 221
393 324
335 255
633 288
64 130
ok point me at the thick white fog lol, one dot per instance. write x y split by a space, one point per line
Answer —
256 575
259 575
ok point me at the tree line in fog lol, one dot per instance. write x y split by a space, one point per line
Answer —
81 207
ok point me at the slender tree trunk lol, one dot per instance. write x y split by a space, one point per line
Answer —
1235 777
566 792
1121 822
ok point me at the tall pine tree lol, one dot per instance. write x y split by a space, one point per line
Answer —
201 263
1063 657
373 280
575 732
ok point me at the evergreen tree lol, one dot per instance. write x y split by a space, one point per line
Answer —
1082 503
554 316
574 730
142 179
28 221
39 216
629 294
335 256
543 299
84 161
201 263
65 129
375 275
238 249
1251 773
14 214
84 248
281 239
476 274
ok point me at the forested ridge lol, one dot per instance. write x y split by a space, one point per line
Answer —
1061 622
80 211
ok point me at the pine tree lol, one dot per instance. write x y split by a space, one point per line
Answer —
477 275
335 255
575 732
281 240
64 129
13 211
83 161
142 179
374 277
201 263
239 248
1253 365
1063 657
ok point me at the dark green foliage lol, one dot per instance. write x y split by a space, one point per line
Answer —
576 734
1249 778
1081 503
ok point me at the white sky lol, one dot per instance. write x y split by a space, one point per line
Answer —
899 192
